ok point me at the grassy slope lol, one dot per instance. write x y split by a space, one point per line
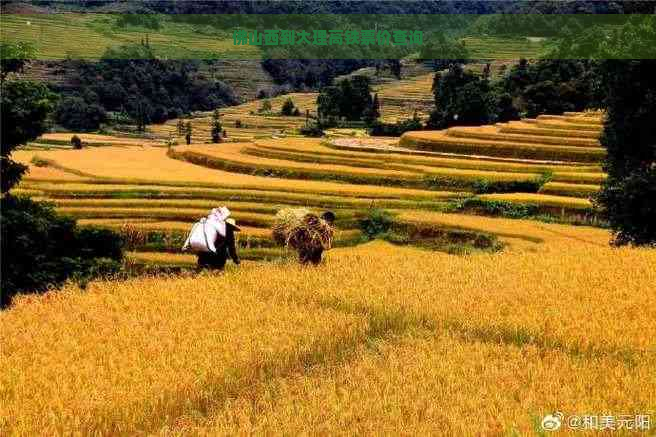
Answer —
51 36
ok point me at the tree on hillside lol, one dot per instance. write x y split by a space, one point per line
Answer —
139 110
14 56
550 86
357 103
444 51
328 104
188 132
216 127
25 107
349 99
461 98
373 112
395 68
266 106
40 249
632 40
287 107
76 114
628 196
131 79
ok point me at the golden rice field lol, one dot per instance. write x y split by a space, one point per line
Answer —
428 344
63 140
161 191
380 339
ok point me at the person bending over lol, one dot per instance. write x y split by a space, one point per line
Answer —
313 254
225 247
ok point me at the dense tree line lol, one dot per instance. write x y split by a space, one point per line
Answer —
636 39
352 6
311 73
527 90
40 249
349 99
551 86
628 196
132 83
463 98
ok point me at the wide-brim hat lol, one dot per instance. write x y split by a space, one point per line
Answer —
233 223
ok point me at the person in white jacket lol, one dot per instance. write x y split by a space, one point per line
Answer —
225 247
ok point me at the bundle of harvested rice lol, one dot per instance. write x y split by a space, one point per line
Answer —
300 229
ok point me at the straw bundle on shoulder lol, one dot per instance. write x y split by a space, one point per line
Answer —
299 229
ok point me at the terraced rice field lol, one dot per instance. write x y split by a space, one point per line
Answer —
556 141
245 121
160 192
566 140
399 100
143 189
63 141
379 339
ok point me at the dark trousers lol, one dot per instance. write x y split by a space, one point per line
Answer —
313 256
209 260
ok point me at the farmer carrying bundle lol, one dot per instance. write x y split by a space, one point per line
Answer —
212 238
305 232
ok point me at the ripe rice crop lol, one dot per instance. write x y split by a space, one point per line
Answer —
234 159
430 343
569 126
170 214
439 141
96 140
529 129
589 178
135 192
51 174
190 260
595 119
152 224
573 190
342 236
301 229
164 203
231 154
451 169
157 364
548 236
493 133
150 166
312 149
